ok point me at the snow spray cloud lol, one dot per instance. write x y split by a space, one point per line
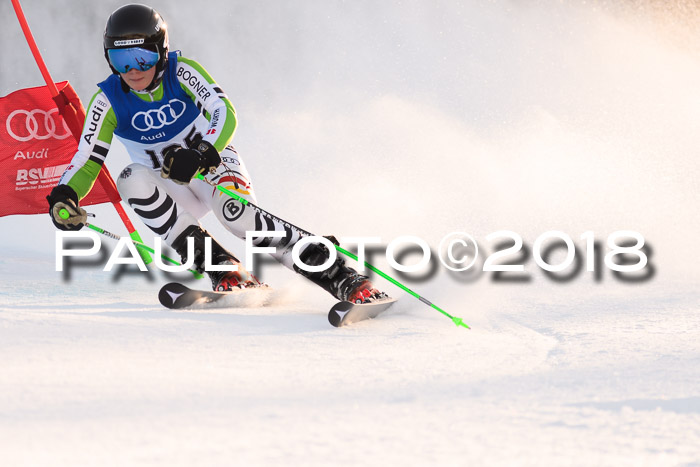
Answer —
529 116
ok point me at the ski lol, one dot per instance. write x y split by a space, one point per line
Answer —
177 296
344 313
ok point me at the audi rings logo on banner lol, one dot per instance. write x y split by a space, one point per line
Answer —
156 119
37 128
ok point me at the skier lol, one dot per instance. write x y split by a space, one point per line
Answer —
176 123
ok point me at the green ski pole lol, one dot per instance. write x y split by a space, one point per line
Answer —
65 215
458 321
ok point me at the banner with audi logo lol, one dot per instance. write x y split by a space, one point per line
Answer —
36 146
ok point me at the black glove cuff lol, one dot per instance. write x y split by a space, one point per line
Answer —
210 154
62 193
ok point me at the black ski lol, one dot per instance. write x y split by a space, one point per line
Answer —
176 296
344 313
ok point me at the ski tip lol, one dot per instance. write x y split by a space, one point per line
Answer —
335 316
169 294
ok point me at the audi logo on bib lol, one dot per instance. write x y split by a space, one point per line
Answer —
25 125
156 119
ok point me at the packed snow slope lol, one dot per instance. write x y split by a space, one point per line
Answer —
388 119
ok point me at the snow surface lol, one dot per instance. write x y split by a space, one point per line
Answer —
388 119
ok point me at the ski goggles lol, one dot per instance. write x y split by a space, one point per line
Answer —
137 58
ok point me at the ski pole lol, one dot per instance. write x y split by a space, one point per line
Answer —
458 321
65 215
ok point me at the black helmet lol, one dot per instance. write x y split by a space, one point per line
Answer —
137 25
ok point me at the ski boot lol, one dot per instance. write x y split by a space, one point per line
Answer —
221 281
226 281
341 281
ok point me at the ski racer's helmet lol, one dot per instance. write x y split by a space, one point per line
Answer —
136 36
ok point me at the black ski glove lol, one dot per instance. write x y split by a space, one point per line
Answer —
64 198
180 164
